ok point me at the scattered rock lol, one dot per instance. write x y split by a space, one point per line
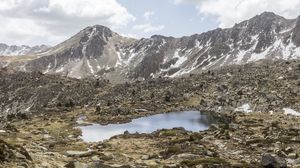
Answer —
79 153
186 156
270 161
145 157
292 155
20 156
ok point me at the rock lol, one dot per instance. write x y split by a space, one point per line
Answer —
75 165
186 96
9 152
199 166
79 153
117 166
209 153
150 163
186 156
20 156
96 165
95 158
288 149
296 162
141 110
172 166
282 154
145 157
24 164
273 161
293 156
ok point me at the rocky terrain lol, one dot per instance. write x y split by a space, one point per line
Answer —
255 107
99 52
6 50
264 86
248 140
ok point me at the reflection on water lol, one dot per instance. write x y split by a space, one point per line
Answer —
190 120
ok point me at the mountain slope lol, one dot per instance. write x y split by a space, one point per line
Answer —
97 51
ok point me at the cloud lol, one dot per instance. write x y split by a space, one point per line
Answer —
229 12
148 14
31 21
148 28
135 36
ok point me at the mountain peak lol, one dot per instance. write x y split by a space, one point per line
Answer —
101 27
96 31
268 16
98 28
263 22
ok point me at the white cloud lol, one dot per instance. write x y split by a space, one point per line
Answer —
148 14
135 36
148 28
7 4
229 12
52 21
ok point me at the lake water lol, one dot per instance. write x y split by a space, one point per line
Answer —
190 120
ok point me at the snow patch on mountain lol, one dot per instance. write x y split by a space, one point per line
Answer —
180 59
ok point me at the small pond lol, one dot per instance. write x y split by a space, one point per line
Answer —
190 120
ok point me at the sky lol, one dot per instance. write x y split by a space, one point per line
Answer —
35 22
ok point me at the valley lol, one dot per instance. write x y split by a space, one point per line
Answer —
224 98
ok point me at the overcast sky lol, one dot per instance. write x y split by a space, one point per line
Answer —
50 22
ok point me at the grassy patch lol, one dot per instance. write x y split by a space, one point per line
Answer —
168 133
192 102
172 150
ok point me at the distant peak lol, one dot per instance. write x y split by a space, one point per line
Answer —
157 36
161 37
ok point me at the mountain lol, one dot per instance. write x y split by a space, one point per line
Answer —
13 50
97 51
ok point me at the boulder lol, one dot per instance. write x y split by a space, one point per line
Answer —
145 157
270 161
79 153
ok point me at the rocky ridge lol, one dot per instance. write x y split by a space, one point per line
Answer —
97 51
13 50
39 124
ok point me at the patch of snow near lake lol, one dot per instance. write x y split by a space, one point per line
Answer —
244 108
289 111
